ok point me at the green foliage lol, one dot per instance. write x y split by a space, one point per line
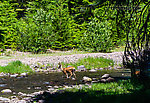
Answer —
91 63
33 34
123 91
114 88
7 19
47 27
64 27
97 37
15 67
37 25
108 12
81 10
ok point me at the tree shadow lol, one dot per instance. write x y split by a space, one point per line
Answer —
136 96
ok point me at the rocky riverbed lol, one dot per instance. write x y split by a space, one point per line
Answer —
22 97
116 56
26 88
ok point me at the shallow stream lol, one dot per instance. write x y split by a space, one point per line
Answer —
41 81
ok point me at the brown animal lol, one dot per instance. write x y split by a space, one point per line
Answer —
137 73
67 70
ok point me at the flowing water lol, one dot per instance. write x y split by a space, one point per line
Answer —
41 81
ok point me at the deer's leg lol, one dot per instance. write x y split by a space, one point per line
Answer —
66 74
70 74
74 74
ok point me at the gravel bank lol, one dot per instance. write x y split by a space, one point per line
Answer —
28 98
116 56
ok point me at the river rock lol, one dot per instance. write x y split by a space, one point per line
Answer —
23 74
3 100
14 75
21 101
37 93
3 85
86 79
22 94
51 89
100 69
3 74
37 88
14 100
103 80
73 78
110 79
41 101
6 91
92 70
49 86
56 87
105 76
81 68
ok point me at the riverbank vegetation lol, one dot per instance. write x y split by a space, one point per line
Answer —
124 91
92 63
35 26
15 67
89 63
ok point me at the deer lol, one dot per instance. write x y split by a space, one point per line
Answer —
67 70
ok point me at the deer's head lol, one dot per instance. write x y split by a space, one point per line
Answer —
60 66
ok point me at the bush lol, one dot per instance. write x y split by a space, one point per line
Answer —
51 27
97 37
33 36
7 21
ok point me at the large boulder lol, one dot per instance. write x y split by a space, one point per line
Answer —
6 91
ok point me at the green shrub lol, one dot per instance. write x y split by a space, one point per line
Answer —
32 36
97 37
7 21
15 67
50 27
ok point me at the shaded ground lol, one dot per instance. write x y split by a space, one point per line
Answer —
94 97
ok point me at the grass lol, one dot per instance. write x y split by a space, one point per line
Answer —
118 49
91 63
123 91
113 88
15 67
